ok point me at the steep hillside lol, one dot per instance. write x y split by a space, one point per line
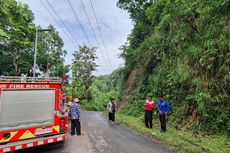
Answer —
179 49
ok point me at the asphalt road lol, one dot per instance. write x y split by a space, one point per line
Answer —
98 136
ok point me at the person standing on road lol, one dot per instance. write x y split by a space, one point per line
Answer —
164 108
149 106
111 107
74 114
70 102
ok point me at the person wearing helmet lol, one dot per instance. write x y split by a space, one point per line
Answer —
70 100
69 103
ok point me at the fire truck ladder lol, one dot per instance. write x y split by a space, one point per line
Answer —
30 79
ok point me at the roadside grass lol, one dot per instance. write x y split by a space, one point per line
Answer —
177 140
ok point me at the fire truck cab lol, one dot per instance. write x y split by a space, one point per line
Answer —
32 112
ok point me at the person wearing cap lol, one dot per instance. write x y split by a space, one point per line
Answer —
164 108
74 115
149 106
111 107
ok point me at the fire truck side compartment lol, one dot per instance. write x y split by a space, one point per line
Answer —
23 108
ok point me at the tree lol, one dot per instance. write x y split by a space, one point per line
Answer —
17 34
180 50
51 53
82 67
16 38
136 8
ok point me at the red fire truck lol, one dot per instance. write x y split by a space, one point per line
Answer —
32 112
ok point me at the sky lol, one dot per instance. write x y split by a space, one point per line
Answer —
113 22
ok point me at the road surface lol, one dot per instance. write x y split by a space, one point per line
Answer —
98 136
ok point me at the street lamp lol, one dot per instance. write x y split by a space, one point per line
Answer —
35 48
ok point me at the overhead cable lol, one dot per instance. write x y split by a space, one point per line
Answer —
93 32
61 21
78 21
68 35
100 33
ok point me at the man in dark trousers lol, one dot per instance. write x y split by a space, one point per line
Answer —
111 107
164 108
149 105
74 114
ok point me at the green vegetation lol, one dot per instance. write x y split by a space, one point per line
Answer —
180 49
83 65
17 37
178 140
103 88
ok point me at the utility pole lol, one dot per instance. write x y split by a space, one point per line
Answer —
36 46
47 58
35 51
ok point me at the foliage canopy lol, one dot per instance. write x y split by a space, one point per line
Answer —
180 49
17 38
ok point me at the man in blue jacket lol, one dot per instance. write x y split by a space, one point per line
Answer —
74 114
164 108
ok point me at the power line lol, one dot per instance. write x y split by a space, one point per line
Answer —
100 33
93 31
78 21
59 24
83 29
64 26
61 21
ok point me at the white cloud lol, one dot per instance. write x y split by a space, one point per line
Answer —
113 22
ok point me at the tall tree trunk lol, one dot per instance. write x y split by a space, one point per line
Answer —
15 54
15 65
